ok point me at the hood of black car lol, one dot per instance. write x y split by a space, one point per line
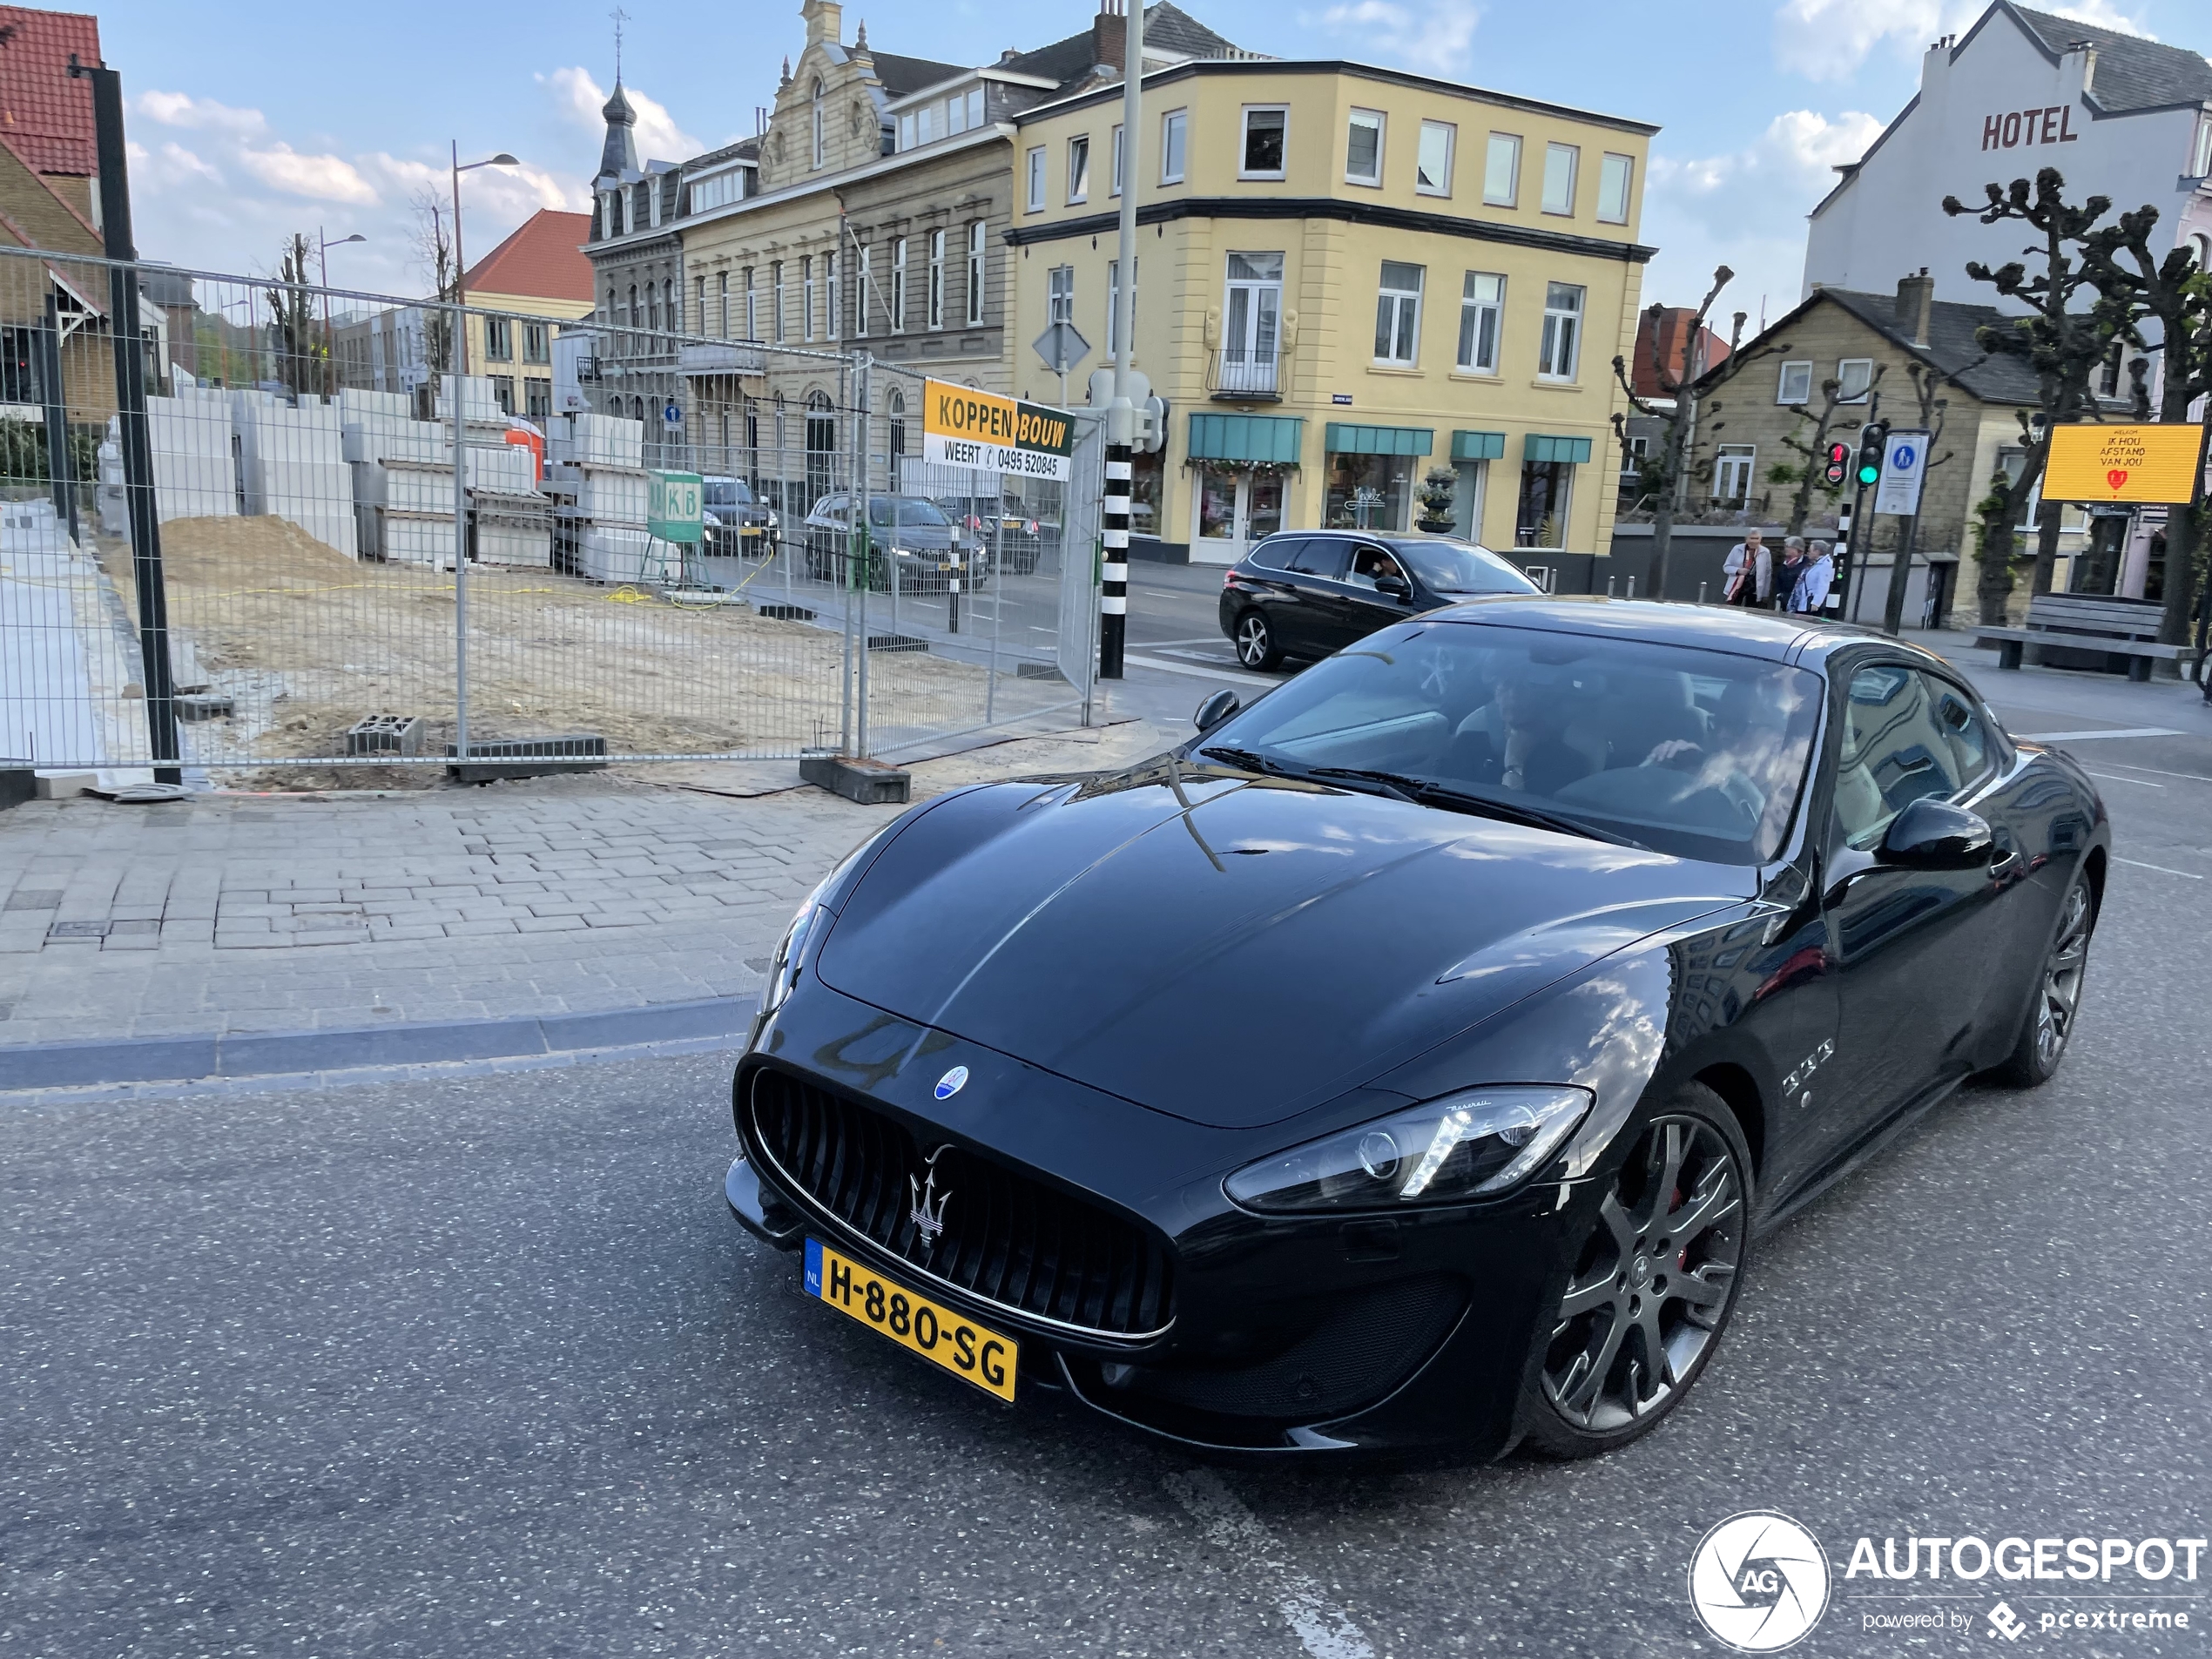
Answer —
1233 952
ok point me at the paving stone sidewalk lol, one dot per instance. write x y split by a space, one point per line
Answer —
239 915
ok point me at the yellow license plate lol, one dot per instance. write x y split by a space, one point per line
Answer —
748 529
961 1346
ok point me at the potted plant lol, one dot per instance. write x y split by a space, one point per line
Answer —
1435 497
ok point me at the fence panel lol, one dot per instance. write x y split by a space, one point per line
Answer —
336 595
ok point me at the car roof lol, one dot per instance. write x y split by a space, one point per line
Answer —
1776 635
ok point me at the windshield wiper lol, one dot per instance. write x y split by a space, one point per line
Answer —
1429 792
1249 761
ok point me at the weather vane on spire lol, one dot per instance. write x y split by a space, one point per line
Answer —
620 18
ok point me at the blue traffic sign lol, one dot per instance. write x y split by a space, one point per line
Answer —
673 416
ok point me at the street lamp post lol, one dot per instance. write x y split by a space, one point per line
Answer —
323 264
460 264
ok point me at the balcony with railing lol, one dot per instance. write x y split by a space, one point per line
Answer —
1245 375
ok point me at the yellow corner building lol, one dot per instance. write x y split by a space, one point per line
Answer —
1346 277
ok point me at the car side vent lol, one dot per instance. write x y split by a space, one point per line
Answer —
1007 1238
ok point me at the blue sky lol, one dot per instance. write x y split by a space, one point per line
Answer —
260 117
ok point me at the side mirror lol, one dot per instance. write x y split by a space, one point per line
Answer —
1215 708
1931 834
1393 587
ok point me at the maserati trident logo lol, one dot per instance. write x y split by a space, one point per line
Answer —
928 1212
951 1082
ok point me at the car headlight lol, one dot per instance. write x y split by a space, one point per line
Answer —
1473 1144
783 968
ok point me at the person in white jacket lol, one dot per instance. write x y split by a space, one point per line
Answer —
1810 595
1749 570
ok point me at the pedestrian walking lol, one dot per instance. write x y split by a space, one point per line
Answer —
1750 572
1810 596
1787 572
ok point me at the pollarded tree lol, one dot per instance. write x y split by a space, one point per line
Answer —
2060 343
1670 467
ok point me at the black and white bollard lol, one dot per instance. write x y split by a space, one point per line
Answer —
1113 594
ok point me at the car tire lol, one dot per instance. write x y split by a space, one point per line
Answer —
1254 642
1617 1314
2054 1000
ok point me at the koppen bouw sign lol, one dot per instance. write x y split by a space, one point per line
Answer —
962 426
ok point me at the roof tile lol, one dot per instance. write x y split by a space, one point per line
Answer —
45 114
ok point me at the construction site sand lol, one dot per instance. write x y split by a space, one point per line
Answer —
307 642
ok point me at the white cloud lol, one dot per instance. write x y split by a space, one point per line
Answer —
182 109
581 102
326 178
1828 40
1746 209
1436 36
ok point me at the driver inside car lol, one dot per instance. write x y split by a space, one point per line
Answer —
1739 758
1368 564
1532 705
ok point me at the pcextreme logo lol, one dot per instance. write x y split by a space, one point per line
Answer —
1759 1581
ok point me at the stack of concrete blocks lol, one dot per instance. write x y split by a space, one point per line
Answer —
291 460
601 484
195 468
514 525
403 478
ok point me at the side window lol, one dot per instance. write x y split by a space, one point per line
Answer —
1278 553
1962 724
1323 556
1895 750
1369 563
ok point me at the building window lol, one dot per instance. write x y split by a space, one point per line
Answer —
1265 128
899 286
975 107
1547 493
1398 313
722 294
835 313
806 296
821 126
1501 170
751 308
1174 131
1362 148
1732 473
1556 354
502 393
669 302
536 346
906 130
926 124
1560 163
1059 294
1432 167
1079 169
776 299
2200 149
1615 174
936 279
652 308
1117 189
1252 332
1854 375
862 282
698 295
540 396
977 233
499 341
1035 199
898 445
1482 304
1796 385
1114 302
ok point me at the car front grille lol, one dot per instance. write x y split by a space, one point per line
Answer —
1007 1238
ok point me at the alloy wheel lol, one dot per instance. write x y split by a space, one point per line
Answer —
1253 644
1652 1283
2062 974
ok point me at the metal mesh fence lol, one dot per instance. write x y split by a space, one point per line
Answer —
295 546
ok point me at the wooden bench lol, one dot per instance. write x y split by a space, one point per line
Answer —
2089 624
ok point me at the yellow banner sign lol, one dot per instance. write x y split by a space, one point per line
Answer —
2123 463
962 426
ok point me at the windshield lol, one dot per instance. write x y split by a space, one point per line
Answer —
1694 752
910 509
727 492
1462 567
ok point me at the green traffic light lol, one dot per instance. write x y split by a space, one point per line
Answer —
1869 475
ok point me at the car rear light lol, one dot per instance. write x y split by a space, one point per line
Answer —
1229 577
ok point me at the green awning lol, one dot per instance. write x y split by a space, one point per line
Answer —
1573 451
1345 439
1478 446
1246 437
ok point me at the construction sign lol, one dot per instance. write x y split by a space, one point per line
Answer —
674 506
983 432
2096 463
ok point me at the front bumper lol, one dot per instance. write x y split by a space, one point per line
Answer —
1287 1335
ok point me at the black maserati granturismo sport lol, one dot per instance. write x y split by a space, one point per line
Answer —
1415 1056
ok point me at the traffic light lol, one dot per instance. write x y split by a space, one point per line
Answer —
1838 467
1873 440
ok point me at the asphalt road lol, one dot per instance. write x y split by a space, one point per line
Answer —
483 1366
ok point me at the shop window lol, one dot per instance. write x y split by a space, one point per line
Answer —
1539 519
1368 492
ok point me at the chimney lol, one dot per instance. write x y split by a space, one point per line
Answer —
1916 306
1110 33
825 22
2078 69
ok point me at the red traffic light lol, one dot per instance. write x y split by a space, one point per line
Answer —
1838 467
